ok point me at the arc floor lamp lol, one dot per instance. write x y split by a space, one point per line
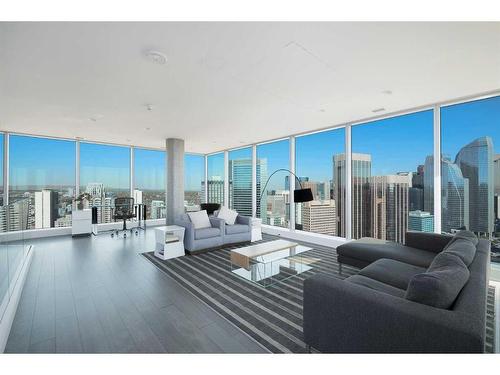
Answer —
299 195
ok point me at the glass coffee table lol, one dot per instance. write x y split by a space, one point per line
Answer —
270 262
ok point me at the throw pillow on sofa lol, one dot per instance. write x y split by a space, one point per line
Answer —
440 285
229 216
199 219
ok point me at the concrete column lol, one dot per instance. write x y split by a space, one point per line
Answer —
175 179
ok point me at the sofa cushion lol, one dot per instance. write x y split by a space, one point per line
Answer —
464 234
463 245
392 272
441 284
236 228
372 249
375 285
200 234
229 216
462 248
199 219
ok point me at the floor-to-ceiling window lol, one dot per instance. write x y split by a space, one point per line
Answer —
240 180
149 181
392 177
104 176
194 181
274 207
215 178
470 169
42 181
1 172
320 166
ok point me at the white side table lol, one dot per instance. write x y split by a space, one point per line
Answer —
256 229
169 242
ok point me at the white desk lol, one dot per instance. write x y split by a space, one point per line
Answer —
165 249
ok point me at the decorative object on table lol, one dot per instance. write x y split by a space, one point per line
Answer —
210 207
169 242
299 195
228 215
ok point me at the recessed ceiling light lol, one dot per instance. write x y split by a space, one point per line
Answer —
376 110
156 57
148 128
387 92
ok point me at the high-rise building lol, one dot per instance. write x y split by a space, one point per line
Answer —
46 208
421 221
454 197
98 199
475 160
319 217
361 199
240 186
215 189
158 209
389 197
261 180
137 196
276 208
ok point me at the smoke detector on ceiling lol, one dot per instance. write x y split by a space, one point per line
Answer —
156 57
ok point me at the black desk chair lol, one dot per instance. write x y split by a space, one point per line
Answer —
124 210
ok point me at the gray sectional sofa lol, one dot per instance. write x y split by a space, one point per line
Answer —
201 240
427 296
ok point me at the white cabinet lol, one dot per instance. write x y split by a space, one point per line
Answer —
169 242
81 222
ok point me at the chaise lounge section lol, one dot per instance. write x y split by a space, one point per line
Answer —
374 311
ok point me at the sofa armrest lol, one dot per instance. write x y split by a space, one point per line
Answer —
217 223
342 317
434 242
188 233
245 220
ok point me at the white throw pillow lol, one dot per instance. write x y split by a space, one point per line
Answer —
229 216
199 219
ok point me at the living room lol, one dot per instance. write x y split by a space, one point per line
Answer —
175 186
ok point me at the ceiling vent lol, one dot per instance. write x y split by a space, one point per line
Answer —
377 110
156 57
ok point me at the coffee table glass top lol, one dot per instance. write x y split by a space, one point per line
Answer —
270 262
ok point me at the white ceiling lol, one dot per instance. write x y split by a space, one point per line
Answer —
229 84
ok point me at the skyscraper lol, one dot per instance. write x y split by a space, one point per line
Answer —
475 160
240 186
389 198
46 208
319 217
361 200
454 197
215 190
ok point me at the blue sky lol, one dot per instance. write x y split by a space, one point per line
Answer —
396 144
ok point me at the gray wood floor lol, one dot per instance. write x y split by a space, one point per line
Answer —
98 295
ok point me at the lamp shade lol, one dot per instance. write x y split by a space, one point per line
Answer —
302 195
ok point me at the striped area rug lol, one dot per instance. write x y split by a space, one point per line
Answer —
271 316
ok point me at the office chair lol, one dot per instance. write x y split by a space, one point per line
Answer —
124 210
210 207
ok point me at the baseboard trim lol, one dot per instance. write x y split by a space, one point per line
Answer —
10 312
